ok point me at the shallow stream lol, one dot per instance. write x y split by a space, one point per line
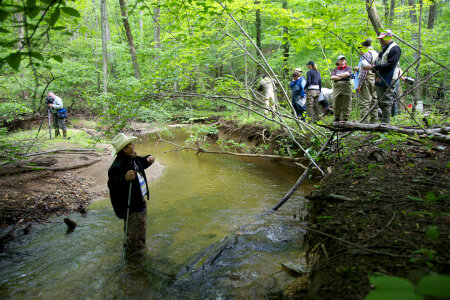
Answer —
197 202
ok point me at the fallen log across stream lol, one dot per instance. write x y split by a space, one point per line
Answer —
435 134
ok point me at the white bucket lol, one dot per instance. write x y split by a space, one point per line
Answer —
419 106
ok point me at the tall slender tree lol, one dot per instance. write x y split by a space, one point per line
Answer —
123 10
104 21
392 13
432 14
157 28
285 46
258 36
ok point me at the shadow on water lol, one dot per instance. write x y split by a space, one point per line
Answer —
206 237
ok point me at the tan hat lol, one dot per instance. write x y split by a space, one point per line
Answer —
388 33
298 69
120 141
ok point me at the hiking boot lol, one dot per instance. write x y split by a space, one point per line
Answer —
56 132
64 134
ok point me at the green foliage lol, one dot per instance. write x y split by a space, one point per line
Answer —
198 135
227 145
430 197
10 111
433 232
392 287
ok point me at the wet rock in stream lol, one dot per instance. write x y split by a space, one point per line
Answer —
246 263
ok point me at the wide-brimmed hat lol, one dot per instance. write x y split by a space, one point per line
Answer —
385 34
120 141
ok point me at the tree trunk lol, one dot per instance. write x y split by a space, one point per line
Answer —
104 21
392 13
373 16
418 92
123 10
285 47
141 27
258 36
157 28
386 10
432 15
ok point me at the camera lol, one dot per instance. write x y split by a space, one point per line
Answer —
48 100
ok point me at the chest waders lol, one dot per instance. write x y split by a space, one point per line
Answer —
126 220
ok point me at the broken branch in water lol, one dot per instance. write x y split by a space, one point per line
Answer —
201 150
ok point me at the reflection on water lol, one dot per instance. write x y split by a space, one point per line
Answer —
197 201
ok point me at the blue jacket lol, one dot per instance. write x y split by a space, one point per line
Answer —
298 88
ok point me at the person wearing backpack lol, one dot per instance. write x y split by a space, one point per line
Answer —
298 94
387 68
365 83
59 113
128 190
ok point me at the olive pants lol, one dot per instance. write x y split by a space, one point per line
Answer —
137 226
367 99
385 103
342 95
312 104
59 122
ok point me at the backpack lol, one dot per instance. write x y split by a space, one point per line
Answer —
62 113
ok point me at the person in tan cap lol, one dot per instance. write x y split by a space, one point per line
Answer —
128 190
342 90
387 68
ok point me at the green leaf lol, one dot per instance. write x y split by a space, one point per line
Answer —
58 58
71 11
55 16
4 30
3 15
414 198
392 283
430 196
32 13
433 232
435 285
36 55
14 60
392 295
31 3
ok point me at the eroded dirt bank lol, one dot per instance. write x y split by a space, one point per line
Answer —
66 183
384 209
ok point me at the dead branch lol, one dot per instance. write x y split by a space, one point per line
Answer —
356 245
303 176
59 150
24 169
201 150
436 134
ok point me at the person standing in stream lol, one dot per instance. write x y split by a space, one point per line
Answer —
127 183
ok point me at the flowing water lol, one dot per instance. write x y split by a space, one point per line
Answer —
197 202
